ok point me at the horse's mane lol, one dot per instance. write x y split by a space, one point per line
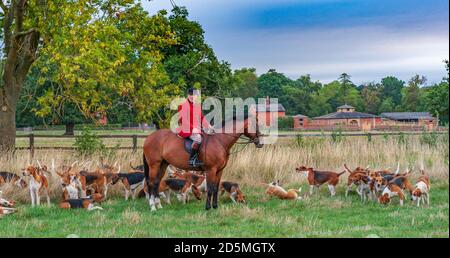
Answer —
235 119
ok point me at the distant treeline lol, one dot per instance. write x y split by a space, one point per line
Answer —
192 62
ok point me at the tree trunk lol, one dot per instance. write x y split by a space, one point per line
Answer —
7 131
7 120
19 49
70 129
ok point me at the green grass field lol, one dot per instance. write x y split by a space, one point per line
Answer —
318 216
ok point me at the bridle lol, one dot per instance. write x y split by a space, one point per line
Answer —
246 143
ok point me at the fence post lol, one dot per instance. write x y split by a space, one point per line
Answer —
134 143
31 140
369 136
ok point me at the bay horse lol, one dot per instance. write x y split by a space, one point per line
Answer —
165 147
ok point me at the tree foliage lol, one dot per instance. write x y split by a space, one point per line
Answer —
114 56
191 61
98 56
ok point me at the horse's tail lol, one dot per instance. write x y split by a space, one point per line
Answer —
146 168
147 175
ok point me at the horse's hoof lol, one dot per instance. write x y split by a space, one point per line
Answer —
215 206
207 207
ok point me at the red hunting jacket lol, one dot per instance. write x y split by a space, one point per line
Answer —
191 117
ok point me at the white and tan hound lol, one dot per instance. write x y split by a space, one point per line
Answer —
276 190
38 183
421 191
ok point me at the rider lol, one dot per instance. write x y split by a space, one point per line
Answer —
191 122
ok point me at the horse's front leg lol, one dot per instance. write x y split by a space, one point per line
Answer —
211 188
157 172
216 189
153 187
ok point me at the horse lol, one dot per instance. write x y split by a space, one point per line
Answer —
165 147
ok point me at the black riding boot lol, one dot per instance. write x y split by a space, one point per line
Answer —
193 159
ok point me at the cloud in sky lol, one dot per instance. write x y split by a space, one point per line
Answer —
365 38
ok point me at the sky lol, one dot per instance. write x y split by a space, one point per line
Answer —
368 39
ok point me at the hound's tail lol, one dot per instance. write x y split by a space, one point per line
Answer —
131 165
398 168
339 174
349 171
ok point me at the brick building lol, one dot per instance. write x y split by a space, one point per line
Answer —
348 119
268 112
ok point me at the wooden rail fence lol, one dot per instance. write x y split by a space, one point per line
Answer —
134 138
32 147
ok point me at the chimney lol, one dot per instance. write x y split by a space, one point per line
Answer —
267 101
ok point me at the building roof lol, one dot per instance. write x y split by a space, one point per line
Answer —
345 106
345 115
270 108
406 115
301 116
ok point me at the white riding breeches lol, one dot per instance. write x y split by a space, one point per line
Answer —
196 137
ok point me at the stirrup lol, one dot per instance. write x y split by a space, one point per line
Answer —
194 162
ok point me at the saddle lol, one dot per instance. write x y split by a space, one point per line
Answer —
188 149
188 145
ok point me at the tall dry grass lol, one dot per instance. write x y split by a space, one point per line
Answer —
254 167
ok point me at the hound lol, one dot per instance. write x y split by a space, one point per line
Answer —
233 191
131 181
353 178
364 187
317 178
383 177
180 186
395 188
94 181
198 180
276 190
8 177
71 183
38 183
5 203
110 176
6 211
421 191
85 203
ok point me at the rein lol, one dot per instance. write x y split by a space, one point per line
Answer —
239 137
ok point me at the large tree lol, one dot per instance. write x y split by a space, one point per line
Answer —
246 83
21 39
370 94
346 86
436 98
412 94
191 61
391 87
271 84
92 50
387 105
